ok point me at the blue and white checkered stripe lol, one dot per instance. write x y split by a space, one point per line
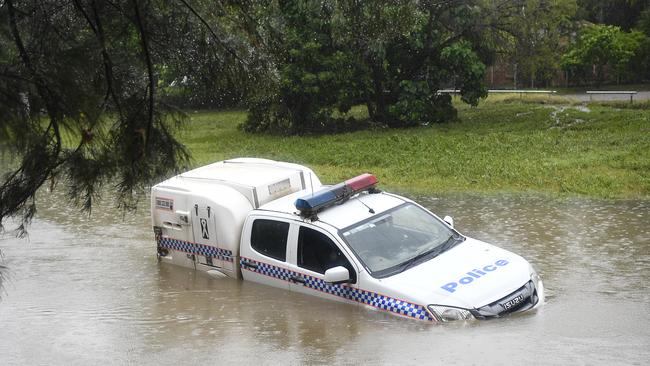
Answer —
195 248
394 305
362 296
214 252
269 270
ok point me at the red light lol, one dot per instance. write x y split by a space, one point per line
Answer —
362 181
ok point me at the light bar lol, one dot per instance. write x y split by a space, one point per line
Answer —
313 203
361 182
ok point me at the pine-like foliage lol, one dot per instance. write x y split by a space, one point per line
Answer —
79 100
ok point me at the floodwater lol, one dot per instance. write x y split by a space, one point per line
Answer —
90 291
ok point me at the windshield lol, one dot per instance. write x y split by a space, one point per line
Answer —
398 239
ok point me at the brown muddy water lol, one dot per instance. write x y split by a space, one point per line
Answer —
90 291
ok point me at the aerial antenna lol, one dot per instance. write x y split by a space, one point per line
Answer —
370 210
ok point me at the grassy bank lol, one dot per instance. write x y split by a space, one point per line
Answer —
501 146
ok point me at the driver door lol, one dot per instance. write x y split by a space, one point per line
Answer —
312 252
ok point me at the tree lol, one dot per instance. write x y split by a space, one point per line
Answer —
206 61
603 47
411 50
642 59
538 31
621 13
80 101
307 74
392 57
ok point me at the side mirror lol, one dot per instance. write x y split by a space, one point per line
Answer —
337 275
449 220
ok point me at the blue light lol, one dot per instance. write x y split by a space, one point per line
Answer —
319 198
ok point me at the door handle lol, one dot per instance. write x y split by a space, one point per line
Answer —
298 279
249 265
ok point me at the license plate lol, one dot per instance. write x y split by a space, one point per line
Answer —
515 301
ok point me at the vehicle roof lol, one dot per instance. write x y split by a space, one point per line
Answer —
356 209
243 171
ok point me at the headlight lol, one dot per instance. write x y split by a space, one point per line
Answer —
446 313
533 275
539 285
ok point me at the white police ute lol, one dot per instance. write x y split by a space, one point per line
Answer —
274 223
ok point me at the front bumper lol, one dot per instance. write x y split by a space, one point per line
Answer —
524 298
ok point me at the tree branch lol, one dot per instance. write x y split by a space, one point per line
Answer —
152 83
22 184
108 63
217 38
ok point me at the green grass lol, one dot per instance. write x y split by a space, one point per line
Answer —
502 146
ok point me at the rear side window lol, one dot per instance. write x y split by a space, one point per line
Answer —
269 237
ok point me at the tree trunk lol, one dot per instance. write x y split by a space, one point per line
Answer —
532 80
380 109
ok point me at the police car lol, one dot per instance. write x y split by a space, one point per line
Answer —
274 223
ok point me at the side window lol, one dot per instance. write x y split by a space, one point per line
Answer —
316 252
269 237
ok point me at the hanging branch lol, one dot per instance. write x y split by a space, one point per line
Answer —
41 86
152 83
217 38
108 63
22 184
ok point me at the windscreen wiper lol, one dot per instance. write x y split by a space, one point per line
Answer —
434 252
449 243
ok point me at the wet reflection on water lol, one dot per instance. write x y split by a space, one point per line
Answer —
87 290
